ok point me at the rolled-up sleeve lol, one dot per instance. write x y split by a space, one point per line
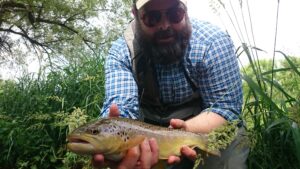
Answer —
220 82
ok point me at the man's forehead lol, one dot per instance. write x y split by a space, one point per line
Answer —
140 3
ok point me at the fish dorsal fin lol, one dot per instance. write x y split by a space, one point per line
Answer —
133 141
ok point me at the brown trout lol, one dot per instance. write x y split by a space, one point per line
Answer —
112 137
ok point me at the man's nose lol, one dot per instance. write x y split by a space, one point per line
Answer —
164 23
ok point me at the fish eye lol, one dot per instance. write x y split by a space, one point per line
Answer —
93 131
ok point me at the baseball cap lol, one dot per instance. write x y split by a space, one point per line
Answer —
140 3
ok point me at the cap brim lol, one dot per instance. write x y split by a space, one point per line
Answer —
140 3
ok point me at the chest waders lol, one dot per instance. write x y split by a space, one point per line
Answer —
152 110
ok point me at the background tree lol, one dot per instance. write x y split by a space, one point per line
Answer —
52 29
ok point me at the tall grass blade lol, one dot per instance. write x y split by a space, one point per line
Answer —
275 41
262 93
293 66
276 71
255 68
279 87
277 123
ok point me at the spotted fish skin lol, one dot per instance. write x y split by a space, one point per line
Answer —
112 137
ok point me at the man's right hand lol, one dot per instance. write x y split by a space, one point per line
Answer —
143 156
185 150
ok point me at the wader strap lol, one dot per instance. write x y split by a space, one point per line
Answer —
129 38
142 69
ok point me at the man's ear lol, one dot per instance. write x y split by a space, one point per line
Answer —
134 11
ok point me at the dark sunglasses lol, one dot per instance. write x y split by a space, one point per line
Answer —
174 15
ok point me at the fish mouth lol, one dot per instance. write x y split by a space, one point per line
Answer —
79 144
77 140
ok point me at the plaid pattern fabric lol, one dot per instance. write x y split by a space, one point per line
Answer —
210 62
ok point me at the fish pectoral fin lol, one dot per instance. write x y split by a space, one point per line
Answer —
214 152
161 164
115 157
134 141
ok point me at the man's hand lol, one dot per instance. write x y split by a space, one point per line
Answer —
143 156
185 150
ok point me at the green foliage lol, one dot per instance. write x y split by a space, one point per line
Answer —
37 114
221 137
271 107
271 92
33 140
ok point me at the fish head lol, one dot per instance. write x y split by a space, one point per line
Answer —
103 136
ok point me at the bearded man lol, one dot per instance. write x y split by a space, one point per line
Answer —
171 70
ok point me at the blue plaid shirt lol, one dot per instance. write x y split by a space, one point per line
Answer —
210 62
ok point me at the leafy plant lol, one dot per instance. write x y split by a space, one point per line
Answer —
271 94
36 115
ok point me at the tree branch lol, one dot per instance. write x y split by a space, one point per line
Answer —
56 23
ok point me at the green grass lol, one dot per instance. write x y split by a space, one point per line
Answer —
36 114
269 117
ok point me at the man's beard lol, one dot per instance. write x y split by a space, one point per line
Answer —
163 53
